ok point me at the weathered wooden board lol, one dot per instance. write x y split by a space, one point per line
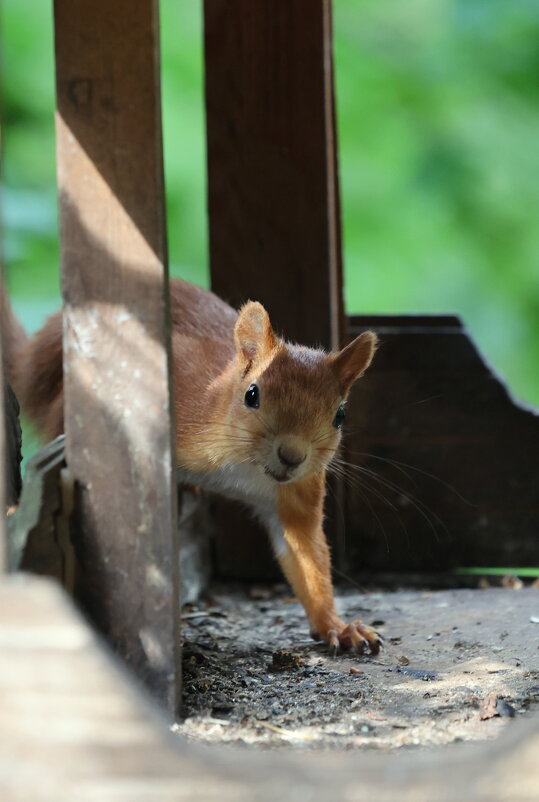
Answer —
118 413
272 187
272 179
74 726
449 460
3 472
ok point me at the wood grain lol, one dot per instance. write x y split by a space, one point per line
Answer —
272 179
73 726
116 328
273 195
451 458
3 477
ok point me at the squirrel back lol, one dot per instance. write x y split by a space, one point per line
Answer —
219 356
202 327
33 367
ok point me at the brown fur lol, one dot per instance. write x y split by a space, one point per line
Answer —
217 355
13 335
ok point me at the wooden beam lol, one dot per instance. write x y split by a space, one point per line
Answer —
72 726
118 412
272 178
3 477
273 196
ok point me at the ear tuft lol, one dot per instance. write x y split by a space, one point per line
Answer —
253 334
352 362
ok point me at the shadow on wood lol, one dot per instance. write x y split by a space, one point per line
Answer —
448 460
117 377
74 726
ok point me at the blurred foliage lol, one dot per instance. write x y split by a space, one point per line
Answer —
439 124
438 112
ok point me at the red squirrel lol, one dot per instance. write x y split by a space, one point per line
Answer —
257 419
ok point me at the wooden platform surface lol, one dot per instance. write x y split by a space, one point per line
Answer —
74 726
252 674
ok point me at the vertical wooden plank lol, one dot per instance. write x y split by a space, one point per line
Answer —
272 177
3 477
116 319
3 543
273 195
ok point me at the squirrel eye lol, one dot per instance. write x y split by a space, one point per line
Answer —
252 397
339 417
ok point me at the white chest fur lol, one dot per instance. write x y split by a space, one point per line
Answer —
245 483
248 484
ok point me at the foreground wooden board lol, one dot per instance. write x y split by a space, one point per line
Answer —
73 726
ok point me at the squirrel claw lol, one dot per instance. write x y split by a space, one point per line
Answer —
357 636
333 642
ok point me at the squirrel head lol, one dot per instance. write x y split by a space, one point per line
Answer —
288 401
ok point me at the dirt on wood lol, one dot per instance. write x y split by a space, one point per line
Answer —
456 665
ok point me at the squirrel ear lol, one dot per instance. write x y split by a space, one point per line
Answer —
353 361
253 334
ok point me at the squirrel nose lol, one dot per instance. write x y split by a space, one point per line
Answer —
290 457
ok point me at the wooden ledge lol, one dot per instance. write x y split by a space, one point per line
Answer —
74 725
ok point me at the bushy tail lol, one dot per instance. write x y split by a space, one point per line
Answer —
33 367
14 337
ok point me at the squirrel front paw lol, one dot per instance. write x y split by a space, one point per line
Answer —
355 636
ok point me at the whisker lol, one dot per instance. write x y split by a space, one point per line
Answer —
423 401
352 481
419 505
216 425
230 439
265 424
340 511
400 465
381 497
322 437
423 509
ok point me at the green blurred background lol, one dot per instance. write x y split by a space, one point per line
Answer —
438 114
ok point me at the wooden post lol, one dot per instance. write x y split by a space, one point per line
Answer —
118 413
272 178
3 544
273 195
